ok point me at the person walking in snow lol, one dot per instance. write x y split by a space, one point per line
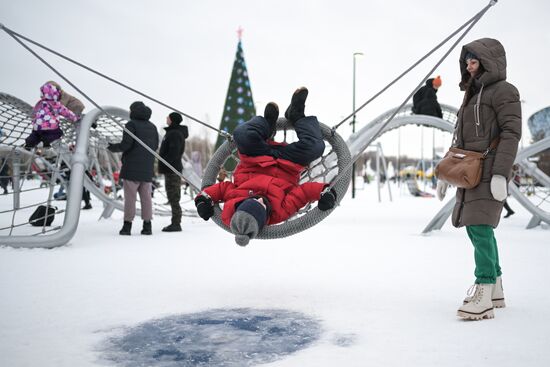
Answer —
491 110
137 166
46 116
265 187
171 150
425 99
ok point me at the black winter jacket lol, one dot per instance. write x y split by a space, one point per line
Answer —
425 101
137 162
172 147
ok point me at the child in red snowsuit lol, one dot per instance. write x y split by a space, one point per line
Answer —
265 187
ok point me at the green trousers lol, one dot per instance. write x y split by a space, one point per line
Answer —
485 253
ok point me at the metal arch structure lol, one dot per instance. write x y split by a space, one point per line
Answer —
359 141
78 162
522 160
82 148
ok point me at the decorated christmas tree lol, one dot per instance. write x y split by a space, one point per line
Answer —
239 104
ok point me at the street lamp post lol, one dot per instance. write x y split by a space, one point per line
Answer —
355 54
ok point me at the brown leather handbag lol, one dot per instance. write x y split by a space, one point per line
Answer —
463 168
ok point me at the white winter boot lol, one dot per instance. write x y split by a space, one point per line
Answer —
481 304
497 296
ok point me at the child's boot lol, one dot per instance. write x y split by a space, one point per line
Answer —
271 114
295 111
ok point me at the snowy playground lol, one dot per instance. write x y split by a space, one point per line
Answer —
379 292
367 270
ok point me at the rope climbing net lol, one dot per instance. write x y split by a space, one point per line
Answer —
27 178
101 171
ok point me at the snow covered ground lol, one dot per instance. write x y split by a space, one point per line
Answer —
383 294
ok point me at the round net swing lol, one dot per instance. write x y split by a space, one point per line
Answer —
335 158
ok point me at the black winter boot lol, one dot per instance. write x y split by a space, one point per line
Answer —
295 111
126 229
146 227
271 114
174 227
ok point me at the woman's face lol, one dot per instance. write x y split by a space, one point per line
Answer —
472 65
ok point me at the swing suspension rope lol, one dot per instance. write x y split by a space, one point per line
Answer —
64 57
468 25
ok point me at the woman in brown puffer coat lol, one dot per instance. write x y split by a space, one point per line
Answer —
490 112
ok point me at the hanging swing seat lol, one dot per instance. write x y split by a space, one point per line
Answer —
324 169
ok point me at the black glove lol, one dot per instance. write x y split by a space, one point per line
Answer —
110 146
327 200
205 207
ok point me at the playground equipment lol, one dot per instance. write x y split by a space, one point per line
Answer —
339 156
90 157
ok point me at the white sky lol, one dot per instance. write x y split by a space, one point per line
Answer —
182 52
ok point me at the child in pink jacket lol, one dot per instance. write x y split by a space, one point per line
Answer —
45 117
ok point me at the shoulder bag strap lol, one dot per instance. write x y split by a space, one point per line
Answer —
493 146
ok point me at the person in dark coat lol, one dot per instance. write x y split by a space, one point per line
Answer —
266 185
4 175
171 150
425 99
137 166
490 112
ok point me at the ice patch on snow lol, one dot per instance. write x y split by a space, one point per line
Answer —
344 340
221 337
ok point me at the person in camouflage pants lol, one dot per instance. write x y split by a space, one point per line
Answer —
173 191
171 150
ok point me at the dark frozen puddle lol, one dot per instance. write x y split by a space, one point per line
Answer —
221 337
